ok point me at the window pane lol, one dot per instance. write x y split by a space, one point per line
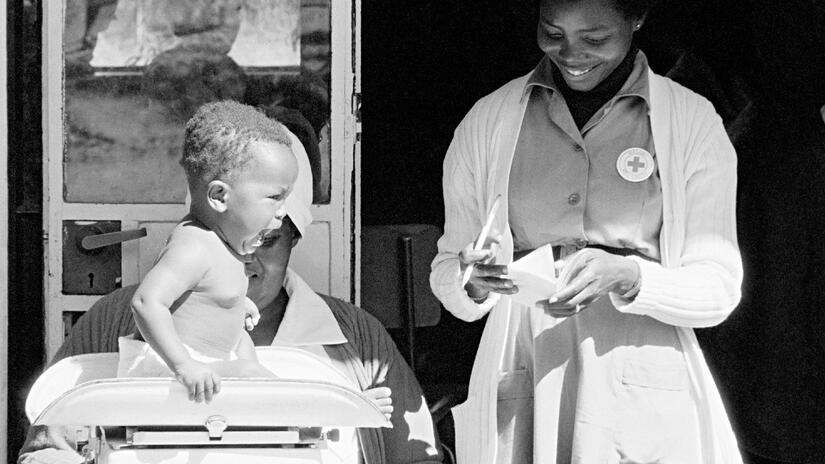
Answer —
136 70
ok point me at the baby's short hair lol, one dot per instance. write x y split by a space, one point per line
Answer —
217 137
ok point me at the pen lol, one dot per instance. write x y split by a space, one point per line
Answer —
482 237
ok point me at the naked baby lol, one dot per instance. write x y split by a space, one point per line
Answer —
190 307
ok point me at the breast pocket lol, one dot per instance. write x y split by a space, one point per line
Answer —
515 417
658 419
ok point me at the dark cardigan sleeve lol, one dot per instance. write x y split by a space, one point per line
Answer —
372 358
98 329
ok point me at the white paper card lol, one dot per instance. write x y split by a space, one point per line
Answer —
534 276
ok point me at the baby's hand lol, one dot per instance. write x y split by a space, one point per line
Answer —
201 381
382 397
253 315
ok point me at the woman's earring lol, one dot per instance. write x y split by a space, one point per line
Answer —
638 26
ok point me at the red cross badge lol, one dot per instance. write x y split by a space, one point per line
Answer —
635 164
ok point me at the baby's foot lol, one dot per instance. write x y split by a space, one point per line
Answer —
382 398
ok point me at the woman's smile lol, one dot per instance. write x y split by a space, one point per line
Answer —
577 71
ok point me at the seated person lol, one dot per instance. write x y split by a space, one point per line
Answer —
291 314
190 307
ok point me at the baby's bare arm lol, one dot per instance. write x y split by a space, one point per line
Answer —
180 267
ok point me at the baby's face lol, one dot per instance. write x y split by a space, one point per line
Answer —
256 201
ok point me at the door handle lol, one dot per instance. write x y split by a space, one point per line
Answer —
95 241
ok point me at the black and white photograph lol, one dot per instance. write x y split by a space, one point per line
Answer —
420 232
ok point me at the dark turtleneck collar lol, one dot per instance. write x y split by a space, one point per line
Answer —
584 104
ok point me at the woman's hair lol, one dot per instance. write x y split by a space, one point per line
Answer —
628 8
633 8
218 135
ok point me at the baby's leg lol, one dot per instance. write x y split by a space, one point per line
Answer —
382 397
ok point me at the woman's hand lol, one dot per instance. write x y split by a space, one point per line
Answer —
486 276
588 275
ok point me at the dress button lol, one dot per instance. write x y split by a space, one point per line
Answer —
581 243
574 199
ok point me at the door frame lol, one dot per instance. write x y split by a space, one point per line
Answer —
4 245
354 96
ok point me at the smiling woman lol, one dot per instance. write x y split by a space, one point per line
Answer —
590 155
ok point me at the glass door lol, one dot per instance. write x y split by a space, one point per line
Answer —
121 77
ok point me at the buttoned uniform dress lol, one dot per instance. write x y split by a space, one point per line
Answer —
566 190
622 381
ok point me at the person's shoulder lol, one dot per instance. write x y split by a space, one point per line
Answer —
511 91
113 304
117 295
189 232
351 318
500 105
98 329
192 242
513 86
340 307
678 94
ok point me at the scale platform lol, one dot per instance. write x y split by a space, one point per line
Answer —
308 415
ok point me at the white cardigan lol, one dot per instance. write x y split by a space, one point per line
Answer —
697 283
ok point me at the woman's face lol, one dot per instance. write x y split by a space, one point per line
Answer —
585 39
267 268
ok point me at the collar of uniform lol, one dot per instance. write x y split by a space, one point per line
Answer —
542 76
637 84
307 319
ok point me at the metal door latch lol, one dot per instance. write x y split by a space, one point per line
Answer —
99 240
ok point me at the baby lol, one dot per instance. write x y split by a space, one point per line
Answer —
191 306
241 167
